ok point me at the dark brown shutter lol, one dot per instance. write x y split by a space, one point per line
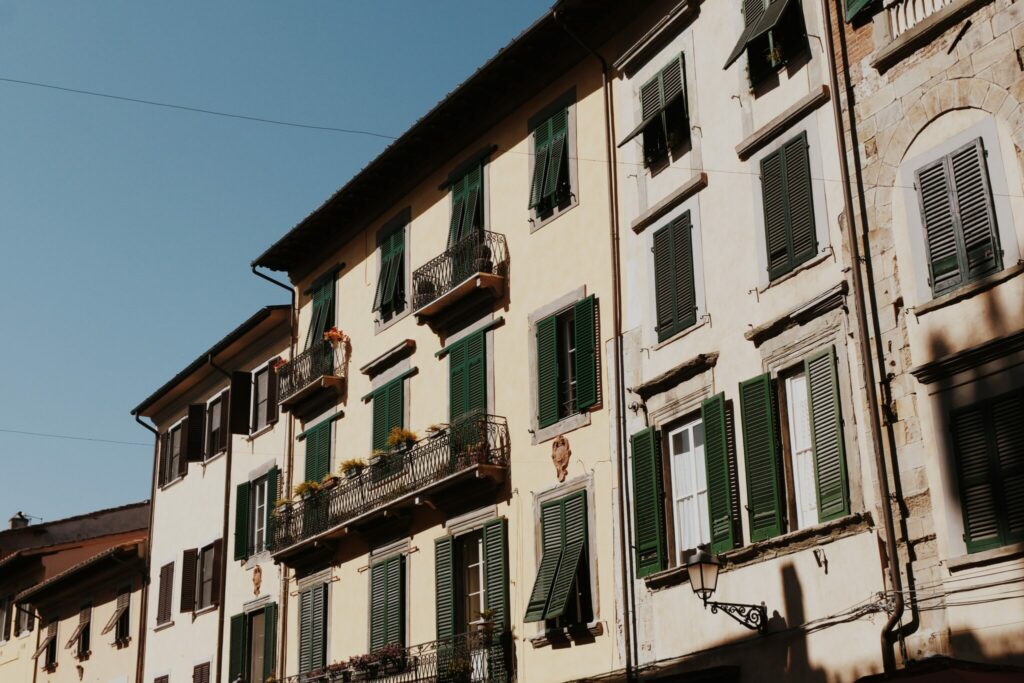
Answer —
193 446
201 673
218 558
163 607
241 394
222 437
162 460
182 455
189 561
272 391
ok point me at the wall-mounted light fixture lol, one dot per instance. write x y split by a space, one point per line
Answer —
702 568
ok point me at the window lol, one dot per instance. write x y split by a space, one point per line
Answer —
467 377
689 486
674 291
470 580
172 463
955 199
25 619
120 620
854 7
389 299
322 318
201 673
988 440
803 507
217 425
48 646
6 617
663 112
318 451
253 507
81 635
467 215
387 602
567 362
200 580
163 608
561 593
313 628
252 645
550 186
388 411
264 397
788 202
773 34
205 581
162 679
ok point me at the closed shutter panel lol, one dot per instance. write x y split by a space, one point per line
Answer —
977 483
194 433
240 397
201 673
664 284
800 200
716 456
318 633
541 154
585 317
189 560
380 420
236 651
318 451
648 503
272 496
163 608
396 404
378 605
760 452
650 98
242 521
396 601
975 209
682 257
547 372
496 594
827 436
935 196
574 525
1008 430
444 582
773 190
476 374
269 640
458 397
559 125
551 556
306 630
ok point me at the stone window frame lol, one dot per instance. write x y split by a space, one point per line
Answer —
566 100
400 221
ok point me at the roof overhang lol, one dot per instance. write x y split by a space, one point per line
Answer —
123 557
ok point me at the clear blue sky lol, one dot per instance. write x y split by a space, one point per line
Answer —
127 230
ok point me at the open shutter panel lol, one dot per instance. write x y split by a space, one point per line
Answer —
382 278
306 630
547 372
574 521
316 318
269 640
225 423
935 196
541 154
378 605
648 503
559 126
474 190
476 373
827 435
392 294
396 601
496 571
242 521
664 284
457 394
236 651
853 8
183 448
273 477
444 582
240 396
165 454
458 193
1008 431
650 98
585 315
724 535
975 210
776 221
976 480
551 556
380 420
272 408
195 433
761 455
800 198
218 559
163 605
188 579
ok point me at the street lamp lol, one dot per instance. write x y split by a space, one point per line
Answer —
702 568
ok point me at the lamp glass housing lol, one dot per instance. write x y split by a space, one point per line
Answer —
702 569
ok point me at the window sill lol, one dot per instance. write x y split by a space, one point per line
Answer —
120 643
255 559
922 33
583 632
701 322
216 456
171 483
652 215
205 610
824 254
379 327
969 290
537 223
781 123
164 626
563 426
769 549
1007 552
261 431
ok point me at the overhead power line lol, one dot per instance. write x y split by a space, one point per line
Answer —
198 110
74 438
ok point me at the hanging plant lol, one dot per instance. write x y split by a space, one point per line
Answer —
335 337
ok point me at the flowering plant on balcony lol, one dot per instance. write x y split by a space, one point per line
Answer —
402 437
364 662
352 468
306 488
278 364
335 336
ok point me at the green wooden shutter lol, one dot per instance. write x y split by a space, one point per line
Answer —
323 311
242 521
978 495
318 644
378 605
674 289
476 375
458 193
664 284
387 602
1008 439
380 420
474 201
236 650
547 372
541 154
753 10
396 404
458 396
716 457
800 200
272 496
396 600
396 269
761 455
574 531
935 198
975 211
305 631
444 583
827 435
496 582
585 318
269 639
854 7
648 503
318 451
773 191
559 126
551 556
382 278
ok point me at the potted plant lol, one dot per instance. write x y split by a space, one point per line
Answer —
425 291
335 337
281 506
306 489
339 671
278 364
483 263
402 438
366 664
329 481
460 670
392 658
351 469
436 430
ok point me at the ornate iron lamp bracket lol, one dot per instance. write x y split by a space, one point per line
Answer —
754 617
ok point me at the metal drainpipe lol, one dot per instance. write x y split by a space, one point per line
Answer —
140 657
629 619
282 620
860 303
224 527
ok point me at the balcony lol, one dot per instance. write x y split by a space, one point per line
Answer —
478 657
912 24
473 269
455 459
905 14
318 369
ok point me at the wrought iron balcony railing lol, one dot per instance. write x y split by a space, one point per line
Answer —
477 440
478 252
321 359
484 656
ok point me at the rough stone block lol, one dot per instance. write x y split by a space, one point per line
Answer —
1008 18
992 52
